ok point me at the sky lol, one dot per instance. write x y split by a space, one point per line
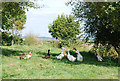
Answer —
38 19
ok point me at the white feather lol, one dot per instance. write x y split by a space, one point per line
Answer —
79 56
99 58
24 57
28 56
70 57
61 55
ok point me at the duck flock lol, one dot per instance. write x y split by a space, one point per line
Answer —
63 54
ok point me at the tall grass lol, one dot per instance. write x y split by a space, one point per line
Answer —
31 39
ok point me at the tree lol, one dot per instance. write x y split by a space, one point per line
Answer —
102 21
14 18
65 29
6 38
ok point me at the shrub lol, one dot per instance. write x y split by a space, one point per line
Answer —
6 39
106 51
65 29
31 39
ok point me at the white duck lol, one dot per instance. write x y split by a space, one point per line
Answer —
70 57
79 56
99 57
61 55
29 55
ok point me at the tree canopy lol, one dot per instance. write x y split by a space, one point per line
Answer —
14 18
65 28
102 21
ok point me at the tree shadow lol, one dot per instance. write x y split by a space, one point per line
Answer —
89 58
41 54
7 52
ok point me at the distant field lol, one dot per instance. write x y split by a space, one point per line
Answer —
39 68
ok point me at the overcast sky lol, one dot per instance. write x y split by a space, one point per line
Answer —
39 19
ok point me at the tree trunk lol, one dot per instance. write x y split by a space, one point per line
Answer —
12 37
18 41
12 41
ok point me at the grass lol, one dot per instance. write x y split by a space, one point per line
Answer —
0 65
39 68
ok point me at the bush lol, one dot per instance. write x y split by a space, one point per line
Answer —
31 39
6 39
106 51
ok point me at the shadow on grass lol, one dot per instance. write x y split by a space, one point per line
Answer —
9 75
89 58
7 52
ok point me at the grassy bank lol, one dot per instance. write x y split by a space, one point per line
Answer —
39 68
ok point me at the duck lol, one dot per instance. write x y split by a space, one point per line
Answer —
29 55
70 57
47 56
79 56
61 55
98 56
23 56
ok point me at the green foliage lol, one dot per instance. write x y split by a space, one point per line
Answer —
14 17
107 52
11 11
6 39
65 29
101 21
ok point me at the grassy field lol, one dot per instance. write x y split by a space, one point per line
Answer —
39 68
